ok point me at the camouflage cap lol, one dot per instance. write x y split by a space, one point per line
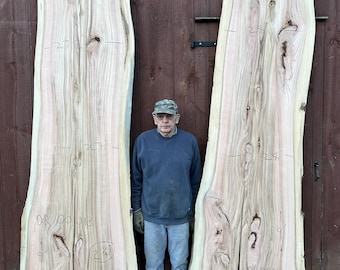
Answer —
166 106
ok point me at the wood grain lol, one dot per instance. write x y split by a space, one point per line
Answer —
248 213
77 212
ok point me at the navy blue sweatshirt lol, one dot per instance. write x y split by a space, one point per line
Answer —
166 174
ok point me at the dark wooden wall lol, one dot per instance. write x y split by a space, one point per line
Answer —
167 67
321 183
17 42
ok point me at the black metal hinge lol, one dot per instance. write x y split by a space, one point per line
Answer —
317 173
321 18
195 44
207 19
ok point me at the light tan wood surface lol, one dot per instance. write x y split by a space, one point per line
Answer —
248 212
77 212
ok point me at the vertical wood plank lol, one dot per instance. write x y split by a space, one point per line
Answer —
313 149
77 212
204 65
249 208
331 142
154 28
17 31
183 63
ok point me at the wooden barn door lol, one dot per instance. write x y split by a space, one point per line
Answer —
169 65
321 182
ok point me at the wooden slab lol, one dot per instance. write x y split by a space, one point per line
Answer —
77 212
248 213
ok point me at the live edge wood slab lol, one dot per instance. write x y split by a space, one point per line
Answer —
248 212
77 212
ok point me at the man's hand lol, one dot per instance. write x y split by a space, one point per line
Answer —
138 221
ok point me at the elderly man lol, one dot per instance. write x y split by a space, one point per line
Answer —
166 173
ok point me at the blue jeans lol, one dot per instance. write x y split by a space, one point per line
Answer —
156 239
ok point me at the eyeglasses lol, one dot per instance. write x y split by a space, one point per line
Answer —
160 116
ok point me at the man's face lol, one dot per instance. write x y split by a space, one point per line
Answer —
166 123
